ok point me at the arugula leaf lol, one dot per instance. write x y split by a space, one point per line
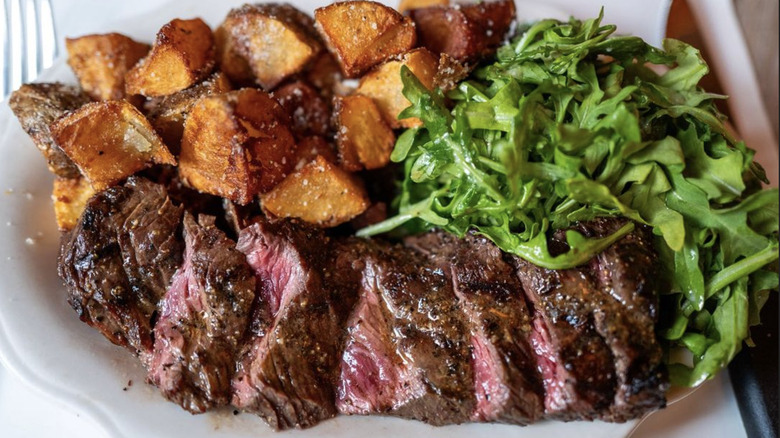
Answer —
567 124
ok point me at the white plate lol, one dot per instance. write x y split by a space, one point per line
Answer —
43 343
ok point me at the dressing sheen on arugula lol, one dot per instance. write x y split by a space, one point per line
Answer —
568 125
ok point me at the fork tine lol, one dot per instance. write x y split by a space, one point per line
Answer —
49 39
7 49
22 56
38 37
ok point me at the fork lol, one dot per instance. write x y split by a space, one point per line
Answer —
29 42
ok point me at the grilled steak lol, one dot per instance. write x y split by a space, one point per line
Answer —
407 352
119 259
203 317
37 106
289 368
593 331
507 385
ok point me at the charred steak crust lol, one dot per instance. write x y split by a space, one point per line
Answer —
118 261
507 384
289 367
594 330
202 319
408 349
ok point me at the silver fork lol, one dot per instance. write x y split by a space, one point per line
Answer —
29 41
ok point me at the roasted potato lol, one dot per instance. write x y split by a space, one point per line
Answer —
324 74
363 33
364 140
236 145
229 61
274 40
167 114
109 141
450 72
319 193
406 5
465 32
310 147
37 106
70 196
383 84
182 56
309 113
100 63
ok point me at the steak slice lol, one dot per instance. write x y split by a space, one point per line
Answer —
119 260
202 319
289 367
627 272
507 384
408 351
594 330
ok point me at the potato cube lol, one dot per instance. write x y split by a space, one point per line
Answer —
406 5
236 145
383 84
308 111
363 33
37 106
229 61
325 74
100 62
274 40
364 140
182 55
70 196
465 32
319 193
109 141
167 114
310 147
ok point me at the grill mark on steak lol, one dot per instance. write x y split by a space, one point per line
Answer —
288 370
507 385
203 316
407 328
603 311
118 260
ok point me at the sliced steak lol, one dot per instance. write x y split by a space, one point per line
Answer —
118 261
627 272
289 367
408 350
593 331
37 106
203 316
507 384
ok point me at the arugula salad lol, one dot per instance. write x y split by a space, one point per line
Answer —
570 123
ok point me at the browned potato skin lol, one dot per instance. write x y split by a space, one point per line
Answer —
182 55
37 106
229 61
100 63
364 140
70 196
466 32
109 141
167 114
270 41
308 111
324 74
310 147
319 193
236 145
383 84
361 34
450 72
406 5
